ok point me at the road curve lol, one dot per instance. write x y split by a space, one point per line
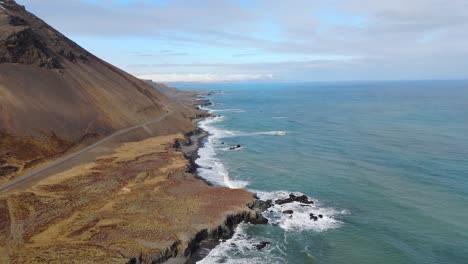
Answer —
30 175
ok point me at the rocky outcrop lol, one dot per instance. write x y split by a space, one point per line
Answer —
187 252
23 47
293 198
238 146
170 252
262 245
22 40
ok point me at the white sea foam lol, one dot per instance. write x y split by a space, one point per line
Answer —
300 219
228 133
232 149
273 133
229 110
211 168
240 249
278 117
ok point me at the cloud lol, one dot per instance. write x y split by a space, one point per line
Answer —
172 53
264 71
140 18
405 38
204 78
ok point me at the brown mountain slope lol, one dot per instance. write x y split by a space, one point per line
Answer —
55 96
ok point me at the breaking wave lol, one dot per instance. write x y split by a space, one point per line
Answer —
300 220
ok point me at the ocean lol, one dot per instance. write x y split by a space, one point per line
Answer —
385 162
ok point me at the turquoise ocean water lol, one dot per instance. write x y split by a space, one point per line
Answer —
386 163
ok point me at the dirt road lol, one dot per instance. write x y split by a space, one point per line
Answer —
9 185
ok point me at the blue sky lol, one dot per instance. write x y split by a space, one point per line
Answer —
269 40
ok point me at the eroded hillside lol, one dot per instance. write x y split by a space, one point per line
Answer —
55 97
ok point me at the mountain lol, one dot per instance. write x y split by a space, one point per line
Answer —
163 88
94 163
56 97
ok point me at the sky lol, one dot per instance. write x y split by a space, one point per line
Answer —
269 40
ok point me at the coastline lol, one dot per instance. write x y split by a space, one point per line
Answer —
194 140
156 208
286 209
205 241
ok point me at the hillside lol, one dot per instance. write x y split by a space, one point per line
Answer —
57 97
93 165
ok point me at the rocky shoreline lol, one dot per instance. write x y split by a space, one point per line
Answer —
203 241
206 240
155 211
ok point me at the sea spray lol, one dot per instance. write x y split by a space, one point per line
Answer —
302 217
241 249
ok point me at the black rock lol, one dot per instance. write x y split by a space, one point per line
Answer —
258 220
262 245
222 143
313 217
303 199
235 147
288 212
283 201
293 198
321 216
261 205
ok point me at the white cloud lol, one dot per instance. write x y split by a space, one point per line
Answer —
204 77
407 38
